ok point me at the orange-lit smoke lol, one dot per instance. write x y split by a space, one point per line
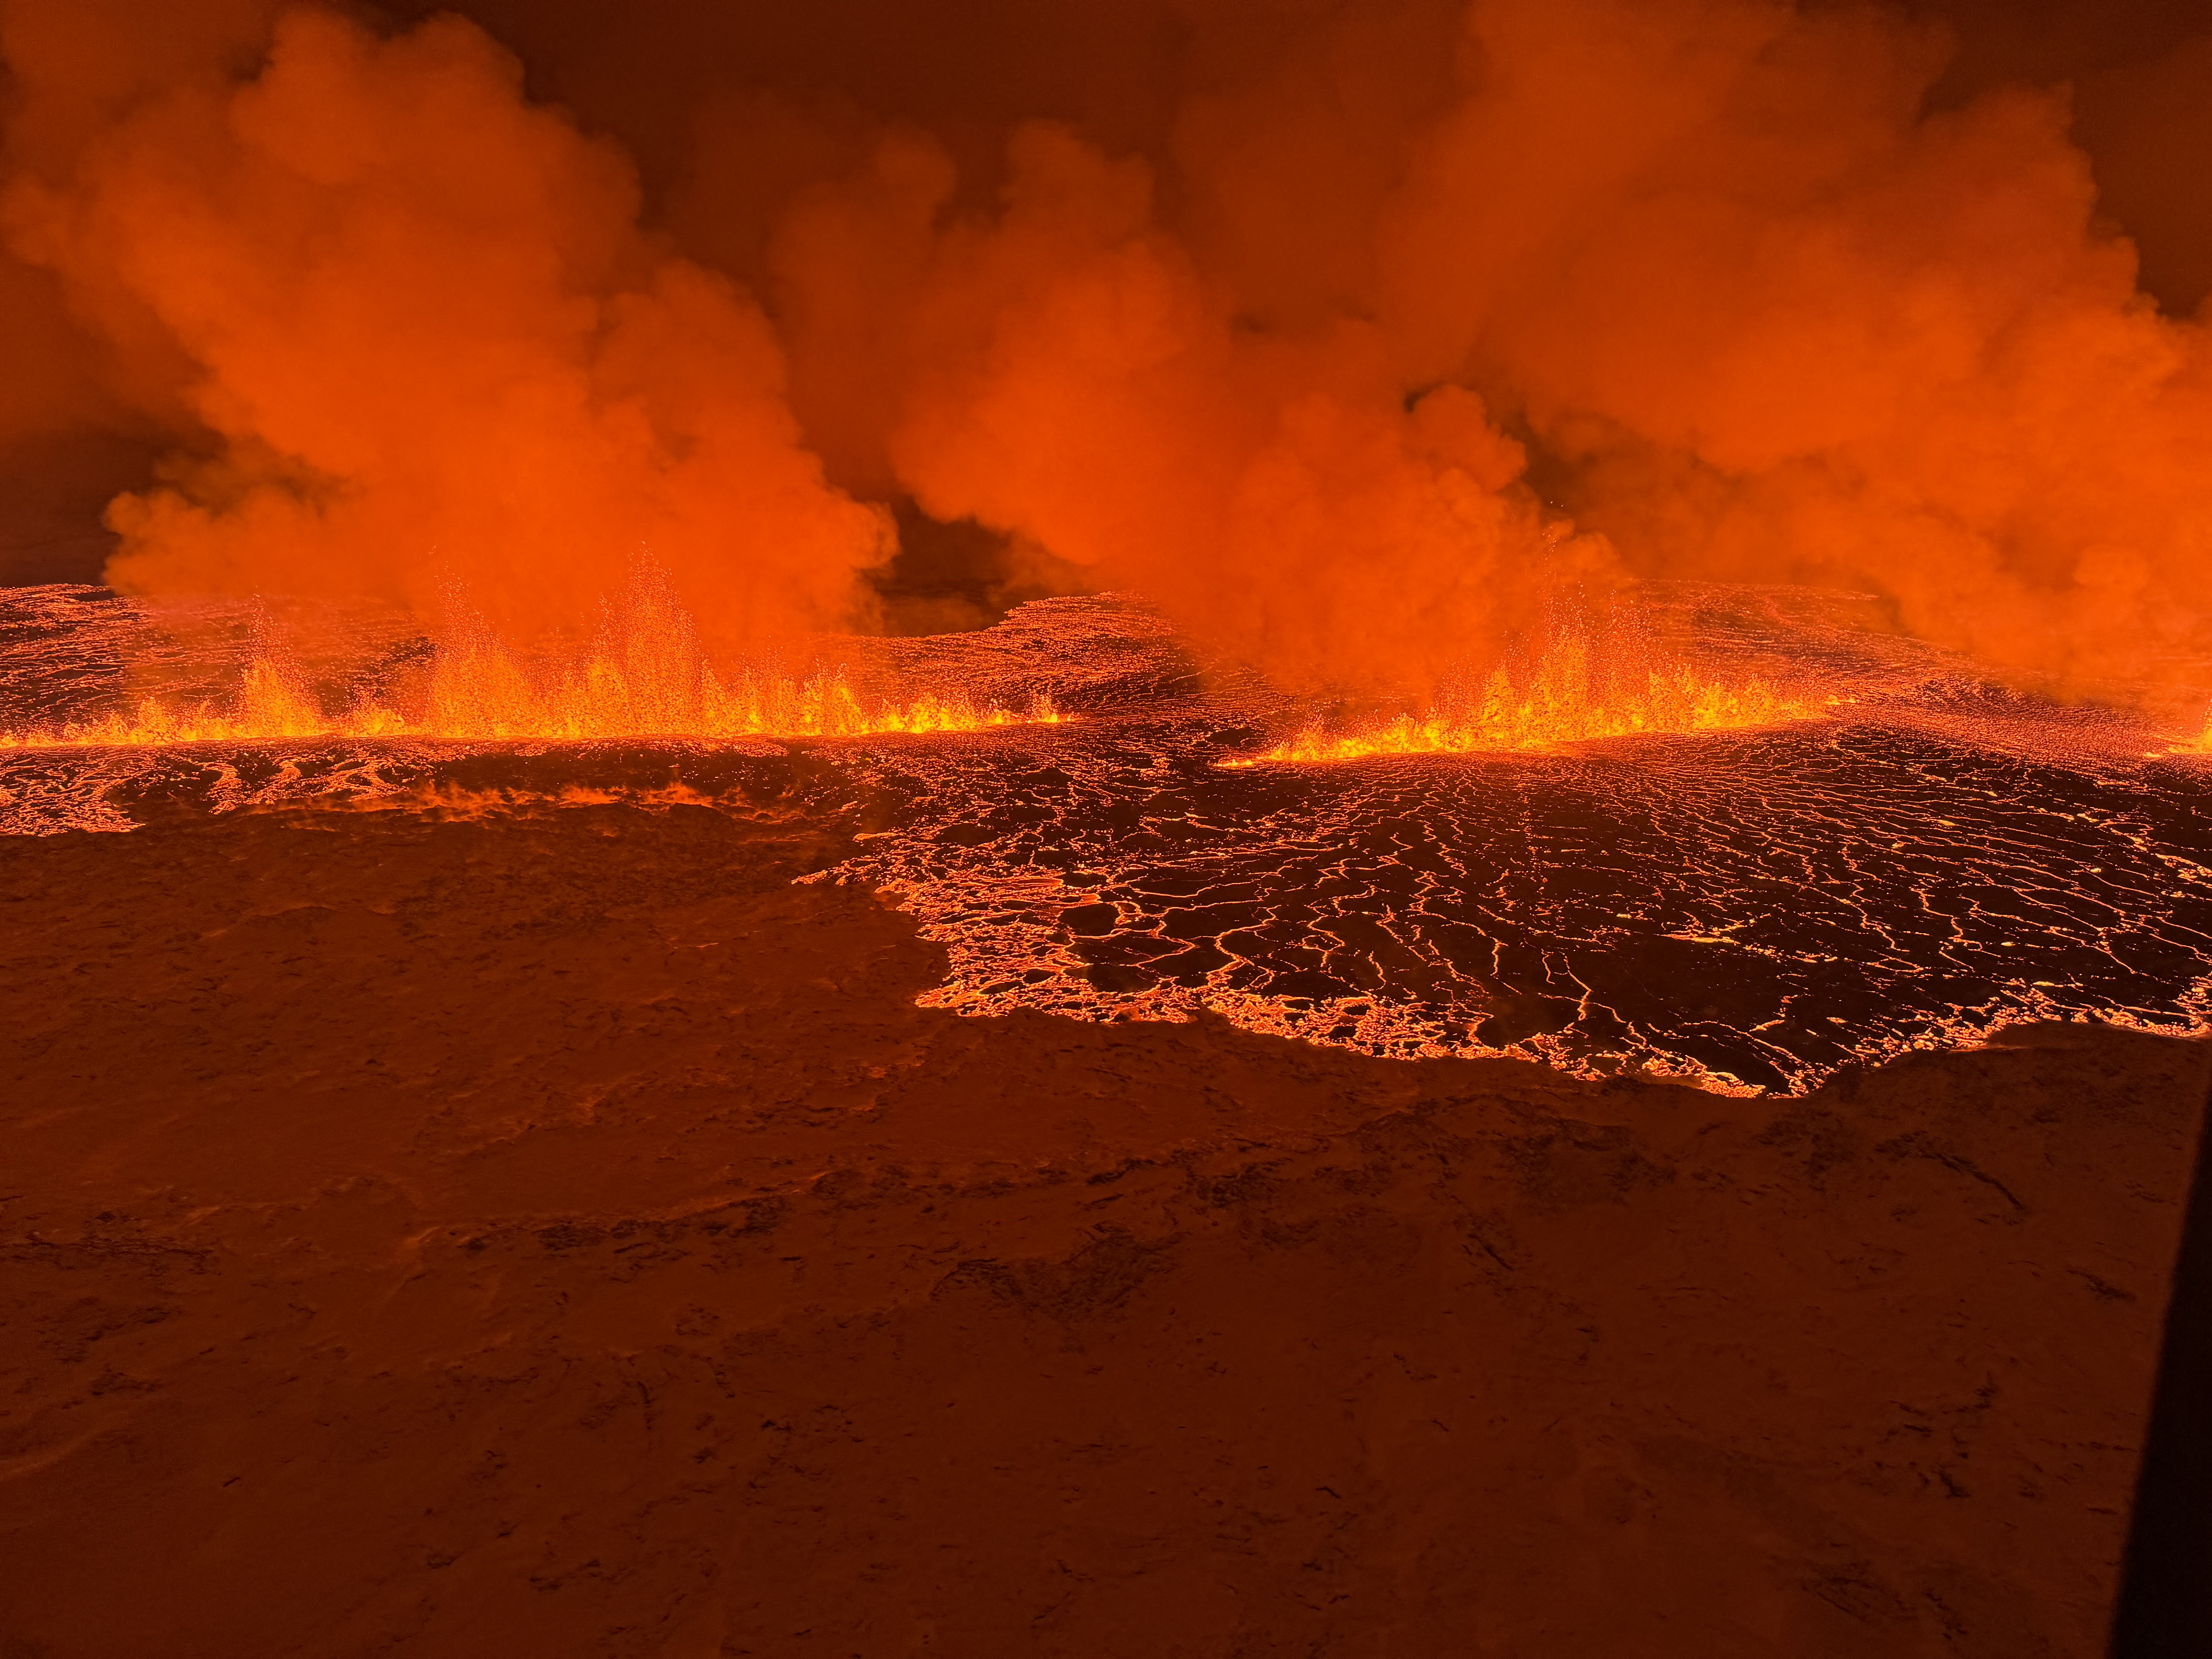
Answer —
1072 376
1378 326
1769 320
1790 325
431 346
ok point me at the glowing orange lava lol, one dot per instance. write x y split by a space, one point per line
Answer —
478 692
2199 743
1568 698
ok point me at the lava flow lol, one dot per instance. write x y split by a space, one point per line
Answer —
1749 909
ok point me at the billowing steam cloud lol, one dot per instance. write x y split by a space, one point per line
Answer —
1376 324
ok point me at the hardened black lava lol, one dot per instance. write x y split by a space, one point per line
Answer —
1763 909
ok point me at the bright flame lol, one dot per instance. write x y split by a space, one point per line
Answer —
1566 700
478 691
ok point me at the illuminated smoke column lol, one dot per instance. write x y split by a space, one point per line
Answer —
1351 335
431 346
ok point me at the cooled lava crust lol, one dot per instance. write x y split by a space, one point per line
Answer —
513 1227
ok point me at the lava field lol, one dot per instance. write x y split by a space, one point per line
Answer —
1934 860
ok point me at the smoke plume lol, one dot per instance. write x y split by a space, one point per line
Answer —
1353 333
430 344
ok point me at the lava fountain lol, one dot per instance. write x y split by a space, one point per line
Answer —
1571 696
645 676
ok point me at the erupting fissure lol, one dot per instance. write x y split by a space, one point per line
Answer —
480 692
1929 862
1573 695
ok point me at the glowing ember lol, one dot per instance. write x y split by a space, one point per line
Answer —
1569 698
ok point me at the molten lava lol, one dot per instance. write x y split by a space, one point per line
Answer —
640 685
1571 697
2197 743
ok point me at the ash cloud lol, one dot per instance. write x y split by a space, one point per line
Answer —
1353 332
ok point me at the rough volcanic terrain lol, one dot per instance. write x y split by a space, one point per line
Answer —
515 1225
